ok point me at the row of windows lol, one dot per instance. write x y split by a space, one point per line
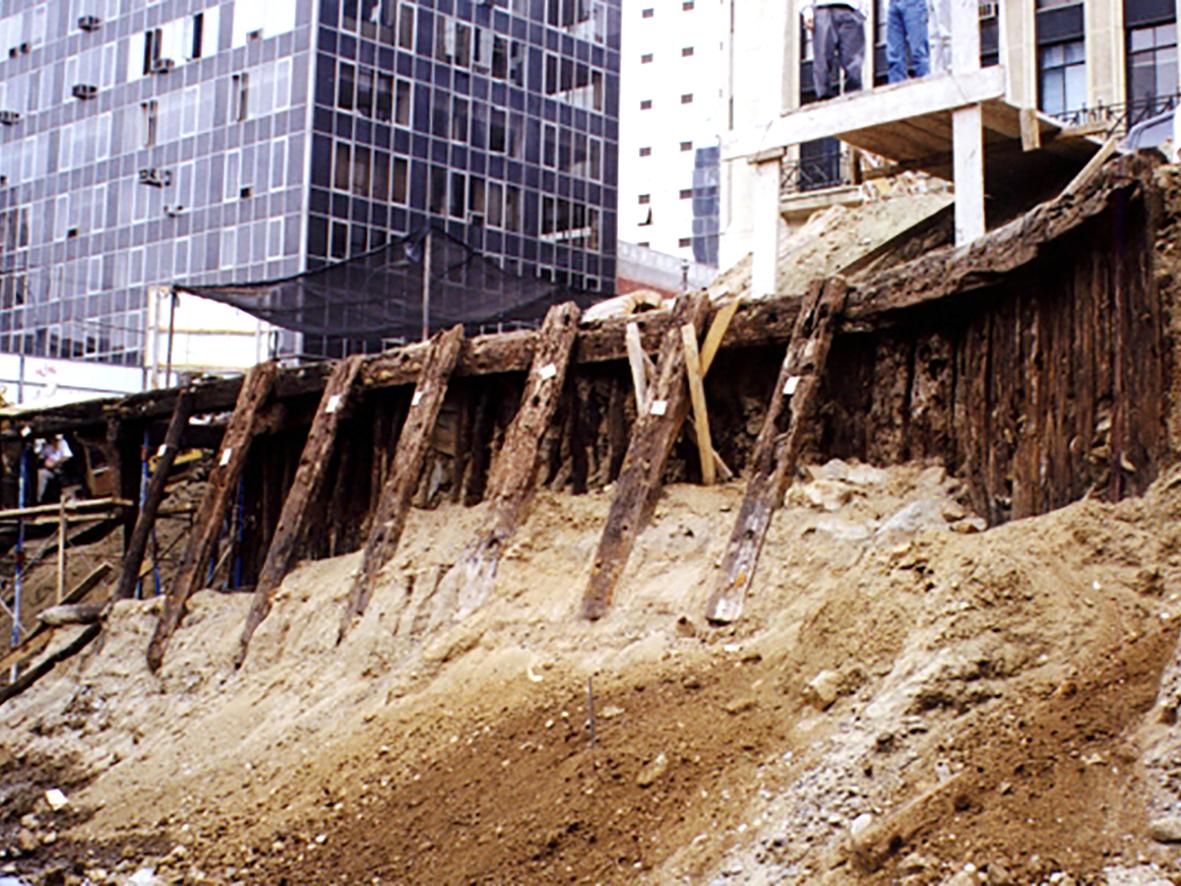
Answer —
648 57
387 20
479 49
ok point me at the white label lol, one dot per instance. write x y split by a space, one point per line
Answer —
416 399
659 407
793 382
225 455
333 404
162 450
548 371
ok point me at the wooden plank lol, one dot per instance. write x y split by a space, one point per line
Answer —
653 435
513 478
223 480
38 637
705 447
155 495
773 462
1089 171
45 666
718 327
304 492
409 457
637 361
69 506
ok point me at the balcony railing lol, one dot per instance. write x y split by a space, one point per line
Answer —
1119 118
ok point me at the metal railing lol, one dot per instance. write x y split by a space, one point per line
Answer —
1119 118
829 169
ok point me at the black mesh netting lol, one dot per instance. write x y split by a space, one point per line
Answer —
376 299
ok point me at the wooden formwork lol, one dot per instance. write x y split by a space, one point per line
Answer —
1034 364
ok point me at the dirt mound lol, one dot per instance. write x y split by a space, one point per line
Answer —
904 696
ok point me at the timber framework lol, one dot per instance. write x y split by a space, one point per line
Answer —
1038 364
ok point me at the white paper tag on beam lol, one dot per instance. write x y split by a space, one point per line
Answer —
416 399
548 371
333 404
790 386
659 407
225 456
160 453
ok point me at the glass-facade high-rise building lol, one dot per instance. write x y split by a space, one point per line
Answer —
214 142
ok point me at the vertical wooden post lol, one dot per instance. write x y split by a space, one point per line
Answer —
61 548
513 478
409 457
235 446
705 447
655 431
133 556
304 492
776 452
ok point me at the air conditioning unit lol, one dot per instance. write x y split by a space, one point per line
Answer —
172 211
988 8
8 118
24 48
162 65
84 90
256 34
157 178
88 22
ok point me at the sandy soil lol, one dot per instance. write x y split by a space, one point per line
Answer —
904 697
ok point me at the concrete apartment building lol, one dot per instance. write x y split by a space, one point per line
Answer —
672 115
214 142
1087 62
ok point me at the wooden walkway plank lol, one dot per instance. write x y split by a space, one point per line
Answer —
134 555
305 490
513 477
413 443
776 452
655 431
223 481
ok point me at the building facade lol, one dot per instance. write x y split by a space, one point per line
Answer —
672 116
215 142
1105 63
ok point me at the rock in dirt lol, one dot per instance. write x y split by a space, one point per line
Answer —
740 706
858 830
1144 875
56 799
822 690
653 771
144 877
926 513
963 878
26 840
1166 829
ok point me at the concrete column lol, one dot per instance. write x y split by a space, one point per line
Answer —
1104 25
967 131
1018 52
765 251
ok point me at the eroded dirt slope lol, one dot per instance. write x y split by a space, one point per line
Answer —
904 697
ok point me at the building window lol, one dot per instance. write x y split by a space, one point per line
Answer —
645 199
1062 78
687 6
645 152
239 97
648 13
1152 70
646 104
646 58
687 98
686 51
686 146
686 193
685 242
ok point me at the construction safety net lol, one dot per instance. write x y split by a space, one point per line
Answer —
377 299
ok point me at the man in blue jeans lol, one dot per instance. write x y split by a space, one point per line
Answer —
906 34
838 41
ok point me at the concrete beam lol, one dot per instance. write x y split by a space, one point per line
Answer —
886 104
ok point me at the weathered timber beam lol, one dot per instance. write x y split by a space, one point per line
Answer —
49 662
758 323
958 271
653 435
513 478
442 356
305 490
777 451
222 480
155 495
